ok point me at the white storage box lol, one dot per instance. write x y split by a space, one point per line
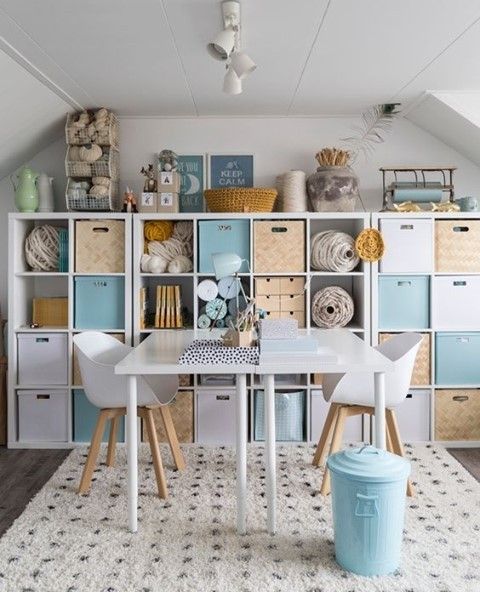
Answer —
413 416
215 417
318 414
43 415
455 302
408 245
42 358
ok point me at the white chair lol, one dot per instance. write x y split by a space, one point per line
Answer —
352 394
98 353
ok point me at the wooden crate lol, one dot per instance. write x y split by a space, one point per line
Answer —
77 377
457 246
279 246
50 312
421 370
100 246
182 415
457 414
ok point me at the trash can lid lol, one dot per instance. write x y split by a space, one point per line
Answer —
370 464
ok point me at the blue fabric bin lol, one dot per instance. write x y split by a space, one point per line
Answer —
457 358
368 505
289 416
99 302
403 302
85 417
223 236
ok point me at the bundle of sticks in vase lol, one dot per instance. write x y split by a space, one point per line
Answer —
332 157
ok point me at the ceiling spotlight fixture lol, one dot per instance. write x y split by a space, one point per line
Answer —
226 47
232 85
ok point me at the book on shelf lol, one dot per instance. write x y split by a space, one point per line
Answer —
168 307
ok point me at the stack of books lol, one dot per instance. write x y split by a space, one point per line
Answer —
168 308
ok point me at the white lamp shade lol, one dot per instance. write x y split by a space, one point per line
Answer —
242 64
232 85
226 264
222 46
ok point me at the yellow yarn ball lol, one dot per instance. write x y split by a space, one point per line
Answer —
158 230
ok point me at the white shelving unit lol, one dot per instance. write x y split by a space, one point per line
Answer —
356 283
422 414
24 285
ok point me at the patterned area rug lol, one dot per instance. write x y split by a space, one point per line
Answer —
69 543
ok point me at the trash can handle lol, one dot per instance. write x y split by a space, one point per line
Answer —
370 510
368 449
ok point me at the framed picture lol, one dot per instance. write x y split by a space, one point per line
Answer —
230 170
192 182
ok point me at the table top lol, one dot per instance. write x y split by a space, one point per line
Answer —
160 351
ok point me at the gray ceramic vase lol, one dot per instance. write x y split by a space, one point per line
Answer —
333 189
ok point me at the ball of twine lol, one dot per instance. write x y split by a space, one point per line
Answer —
292 192
42 248
332 307
180 243
369 245
159 230
332 250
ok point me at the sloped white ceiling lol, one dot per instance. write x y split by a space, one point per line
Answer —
315 57
31 115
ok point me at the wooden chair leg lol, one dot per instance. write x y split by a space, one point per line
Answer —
172 437
112 441
397 443
91 461
157 459
322 447
335 446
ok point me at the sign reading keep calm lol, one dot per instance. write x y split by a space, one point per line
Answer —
231 170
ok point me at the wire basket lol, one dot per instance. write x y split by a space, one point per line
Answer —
106 136
103 167
241 199
80 201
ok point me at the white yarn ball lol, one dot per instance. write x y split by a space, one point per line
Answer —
180 264
157 264
145 263
104 181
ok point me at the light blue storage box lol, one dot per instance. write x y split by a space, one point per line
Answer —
368 504
403 302
222 236
457 358
289 416
85 417
99 302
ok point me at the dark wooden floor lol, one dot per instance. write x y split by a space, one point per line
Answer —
24 472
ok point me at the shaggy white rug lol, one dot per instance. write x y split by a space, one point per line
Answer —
69 543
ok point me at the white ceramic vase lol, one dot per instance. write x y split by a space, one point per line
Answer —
45 193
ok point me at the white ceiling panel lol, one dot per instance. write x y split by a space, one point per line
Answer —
120 52
31 116
276 34
368 50
455 69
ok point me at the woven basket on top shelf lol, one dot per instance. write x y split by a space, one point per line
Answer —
80 202
241 199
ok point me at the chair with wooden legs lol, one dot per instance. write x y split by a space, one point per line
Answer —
98 353
352 394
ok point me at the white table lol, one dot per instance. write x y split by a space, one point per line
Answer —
159 354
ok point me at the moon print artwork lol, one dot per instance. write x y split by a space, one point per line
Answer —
192 182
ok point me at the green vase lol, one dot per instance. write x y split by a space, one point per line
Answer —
26 194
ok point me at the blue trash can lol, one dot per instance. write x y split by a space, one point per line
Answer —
368 503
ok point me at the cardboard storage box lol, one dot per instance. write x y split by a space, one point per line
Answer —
455 302
404 302
99 246
42 415
42 358
99 302
218 236
457 357
215 417
408 245
279 246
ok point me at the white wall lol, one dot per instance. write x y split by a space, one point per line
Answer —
279 144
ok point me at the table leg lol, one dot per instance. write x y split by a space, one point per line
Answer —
132 453
379 392
241 412
271 484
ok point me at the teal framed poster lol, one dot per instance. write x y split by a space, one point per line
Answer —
192 182
230 170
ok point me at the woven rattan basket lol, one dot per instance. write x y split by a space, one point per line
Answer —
241 199
51 312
